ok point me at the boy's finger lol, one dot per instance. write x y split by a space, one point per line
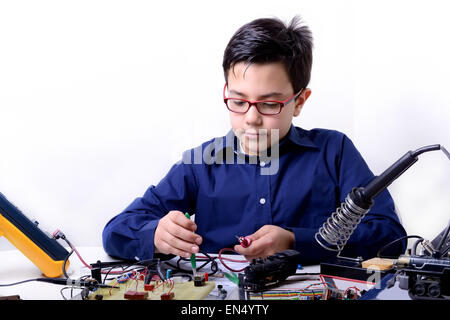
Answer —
186 247
179 218
168 248
184 234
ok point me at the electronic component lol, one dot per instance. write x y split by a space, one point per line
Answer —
135 295
45 252
221 292
167 296
149 287
262 274
199 279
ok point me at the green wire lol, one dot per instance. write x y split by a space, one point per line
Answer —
232 277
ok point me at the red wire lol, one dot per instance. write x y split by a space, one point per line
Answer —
356 292
87 265
172 285
223 263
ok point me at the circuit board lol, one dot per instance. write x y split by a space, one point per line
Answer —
155 290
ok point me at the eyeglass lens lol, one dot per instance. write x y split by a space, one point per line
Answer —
264 107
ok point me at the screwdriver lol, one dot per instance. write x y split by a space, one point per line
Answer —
193 261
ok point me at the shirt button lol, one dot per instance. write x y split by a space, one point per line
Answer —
262 200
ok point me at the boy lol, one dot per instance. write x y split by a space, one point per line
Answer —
266 179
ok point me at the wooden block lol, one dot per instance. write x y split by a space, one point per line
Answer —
378 263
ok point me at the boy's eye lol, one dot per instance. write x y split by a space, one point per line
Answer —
238 103
269 105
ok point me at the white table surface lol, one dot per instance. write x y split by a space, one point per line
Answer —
15 267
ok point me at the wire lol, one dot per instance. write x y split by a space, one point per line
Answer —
207 259
224 264
78 254
172 283
348 290
16 283
392 242
58 234
415 245
64 265
62 294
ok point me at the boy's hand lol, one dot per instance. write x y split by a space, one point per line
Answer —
267 241
175 235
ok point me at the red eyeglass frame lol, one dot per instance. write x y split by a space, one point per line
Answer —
254 103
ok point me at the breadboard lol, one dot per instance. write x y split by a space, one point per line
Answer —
182 290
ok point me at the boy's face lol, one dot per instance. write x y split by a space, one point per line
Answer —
256 82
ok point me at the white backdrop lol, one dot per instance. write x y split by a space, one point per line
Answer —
99 98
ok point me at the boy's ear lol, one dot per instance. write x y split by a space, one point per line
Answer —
301 101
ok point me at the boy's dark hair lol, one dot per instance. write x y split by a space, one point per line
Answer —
270 40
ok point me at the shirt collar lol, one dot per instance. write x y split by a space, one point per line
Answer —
296 135
299 137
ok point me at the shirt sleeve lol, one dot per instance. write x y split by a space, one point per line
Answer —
130 234
379 227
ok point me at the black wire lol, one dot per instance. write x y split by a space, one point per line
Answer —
110 270
392 242
62 294
16 283
64 264
214 266
208 260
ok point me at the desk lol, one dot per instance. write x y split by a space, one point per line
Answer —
14 267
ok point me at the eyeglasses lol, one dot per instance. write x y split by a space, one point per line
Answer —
264 107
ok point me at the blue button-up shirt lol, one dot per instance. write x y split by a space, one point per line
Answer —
234 194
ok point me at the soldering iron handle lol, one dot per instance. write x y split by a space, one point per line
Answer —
382 181
394 171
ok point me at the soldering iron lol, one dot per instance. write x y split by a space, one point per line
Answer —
340 226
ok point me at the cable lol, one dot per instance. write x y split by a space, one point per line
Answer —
224 264
64 265
16 283
207 259
395 241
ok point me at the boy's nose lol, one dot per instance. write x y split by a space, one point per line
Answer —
253 116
